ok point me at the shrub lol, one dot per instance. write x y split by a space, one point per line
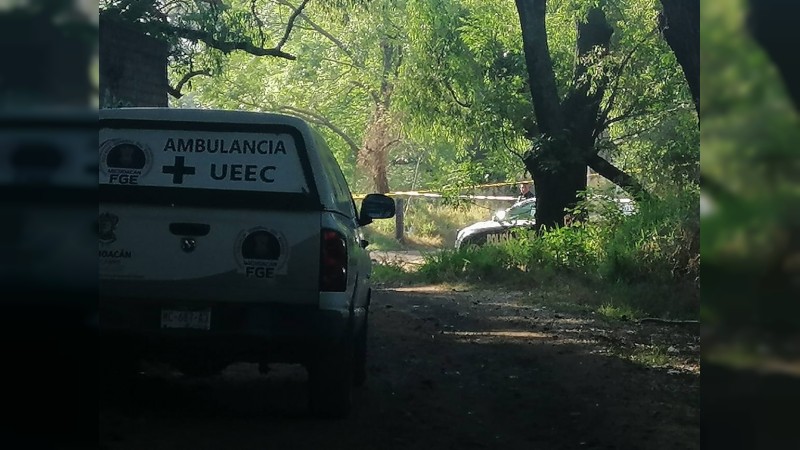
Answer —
659 243
646 260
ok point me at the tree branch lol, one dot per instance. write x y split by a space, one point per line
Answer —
615 88
223 46
311 116
631 114
455 97
370 92
176 91
326 34
618 177
541 77
624 137
335 61
320 119
163 27
290 24
680 25
508 147
258 21
391 143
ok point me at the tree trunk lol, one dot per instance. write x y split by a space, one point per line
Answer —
541 77
555 190
374 153
772 24
380 177
380 134
550 177
618 177
680 23
558 165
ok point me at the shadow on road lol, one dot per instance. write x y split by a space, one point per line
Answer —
446 371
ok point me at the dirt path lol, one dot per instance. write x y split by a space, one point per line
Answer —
398 257
448 370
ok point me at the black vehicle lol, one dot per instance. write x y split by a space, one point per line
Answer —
519 215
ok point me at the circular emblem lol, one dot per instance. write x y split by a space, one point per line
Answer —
261 247
122 161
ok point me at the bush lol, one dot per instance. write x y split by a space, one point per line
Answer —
489 263
644 260
429 225
659 243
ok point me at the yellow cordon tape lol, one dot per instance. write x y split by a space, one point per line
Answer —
432 194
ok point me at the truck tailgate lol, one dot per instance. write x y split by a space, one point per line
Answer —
179 253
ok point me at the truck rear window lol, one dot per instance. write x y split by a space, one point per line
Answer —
252 161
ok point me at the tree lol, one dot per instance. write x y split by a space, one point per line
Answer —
570 128
771 23
343 80
201 32
620 100
680 24
439 90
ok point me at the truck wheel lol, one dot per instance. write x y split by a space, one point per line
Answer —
360 357
330 382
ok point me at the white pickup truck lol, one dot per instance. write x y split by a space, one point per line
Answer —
229 236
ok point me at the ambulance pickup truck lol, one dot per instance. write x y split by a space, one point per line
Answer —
230 236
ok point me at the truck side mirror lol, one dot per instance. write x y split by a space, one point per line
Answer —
375 206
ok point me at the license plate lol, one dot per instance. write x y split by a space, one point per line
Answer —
193 319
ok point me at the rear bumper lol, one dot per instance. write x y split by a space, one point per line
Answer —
238 331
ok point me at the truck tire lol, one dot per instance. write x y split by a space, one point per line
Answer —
360 356
330 382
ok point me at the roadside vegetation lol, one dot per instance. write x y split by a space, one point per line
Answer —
428 225
446 95
623 267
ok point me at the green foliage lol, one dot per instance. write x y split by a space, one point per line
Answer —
646 262
659 243
749 162
490 263
460 102
615 312
429 225
389 273
455 92
651 356
465 83
201 33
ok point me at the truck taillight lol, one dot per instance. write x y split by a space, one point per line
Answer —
333 262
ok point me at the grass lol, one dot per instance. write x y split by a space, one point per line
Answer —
614 312
393 274
652 356
620 267
428 226
568 291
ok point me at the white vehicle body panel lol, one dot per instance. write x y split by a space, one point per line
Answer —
144 255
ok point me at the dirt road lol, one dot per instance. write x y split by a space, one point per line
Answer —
398 257
448 370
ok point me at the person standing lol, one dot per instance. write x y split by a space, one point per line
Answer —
524 191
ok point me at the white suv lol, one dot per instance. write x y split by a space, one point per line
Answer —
230 236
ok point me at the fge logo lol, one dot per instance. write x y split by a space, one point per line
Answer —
124 161
261 252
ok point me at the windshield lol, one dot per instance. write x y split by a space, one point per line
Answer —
521 212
